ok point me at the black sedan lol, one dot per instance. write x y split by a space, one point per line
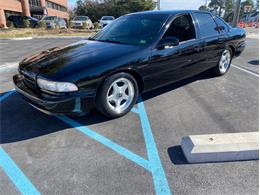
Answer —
136 53
18 21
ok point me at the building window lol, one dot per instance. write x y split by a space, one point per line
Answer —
56 6
34 3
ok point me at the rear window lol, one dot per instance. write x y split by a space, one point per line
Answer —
81 18
223 27
207 25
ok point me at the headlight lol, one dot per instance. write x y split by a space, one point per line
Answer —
56 86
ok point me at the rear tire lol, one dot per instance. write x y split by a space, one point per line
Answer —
224 62
117 95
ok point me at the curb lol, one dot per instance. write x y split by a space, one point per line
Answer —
61 37
17 39
221 147
252 36
45 37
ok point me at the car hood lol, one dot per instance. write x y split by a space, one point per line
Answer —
79 21
59 63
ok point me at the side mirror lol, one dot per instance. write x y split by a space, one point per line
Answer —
168 42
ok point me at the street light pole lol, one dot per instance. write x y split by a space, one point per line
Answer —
236 13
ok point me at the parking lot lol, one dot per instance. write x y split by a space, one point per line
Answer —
137 154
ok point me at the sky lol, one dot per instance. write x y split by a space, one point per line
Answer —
173 4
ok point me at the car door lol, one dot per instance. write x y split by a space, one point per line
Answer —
175 63
211 38
18 21
223 28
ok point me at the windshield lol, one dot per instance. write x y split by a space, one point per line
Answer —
107 18
49 18
81 18
132 29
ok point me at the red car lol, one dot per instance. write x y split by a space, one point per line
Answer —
250 24
242 24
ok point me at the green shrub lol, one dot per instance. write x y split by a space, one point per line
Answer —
70 24
96 25
41 24
26 23
9 24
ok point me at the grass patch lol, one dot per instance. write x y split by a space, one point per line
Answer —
36 32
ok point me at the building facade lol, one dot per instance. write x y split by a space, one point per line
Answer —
34 8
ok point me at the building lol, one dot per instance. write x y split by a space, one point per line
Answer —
34 8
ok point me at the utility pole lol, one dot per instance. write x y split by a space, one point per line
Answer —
236 13
206 3
159 4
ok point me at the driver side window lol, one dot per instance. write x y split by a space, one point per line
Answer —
182 28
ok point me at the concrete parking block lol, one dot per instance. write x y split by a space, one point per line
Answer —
221 147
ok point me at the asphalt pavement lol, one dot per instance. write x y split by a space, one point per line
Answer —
136 154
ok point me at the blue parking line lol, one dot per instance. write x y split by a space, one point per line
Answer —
22 183
135 110
153 165
16 175
7 94
107 142
160 181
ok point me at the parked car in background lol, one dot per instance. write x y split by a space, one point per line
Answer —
257 24
54 22
135 54
18 21
251 24
78 22
105 20
242 24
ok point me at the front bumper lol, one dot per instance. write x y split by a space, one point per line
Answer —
72 103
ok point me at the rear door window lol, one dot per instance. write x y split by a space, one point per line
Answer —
207 25
222 26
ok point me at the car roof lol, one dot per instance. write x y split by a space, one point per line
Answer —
167 12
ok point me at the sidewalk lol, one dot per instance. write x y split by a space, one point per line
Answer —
252 33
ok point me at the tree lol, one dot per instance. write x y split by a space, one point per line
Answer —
203 8
247 3
222 8
229 6
95 9
243 14
216 6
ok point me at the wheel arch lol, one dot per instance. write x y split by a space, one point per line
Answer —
232 49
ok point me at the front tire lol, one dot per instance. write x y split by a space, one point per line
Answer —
117 95
224 62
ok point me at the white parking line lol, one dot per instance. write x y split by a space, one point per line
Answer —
245 70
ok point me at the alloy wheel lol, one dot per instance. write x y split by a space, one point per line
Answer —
120 95
224 62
